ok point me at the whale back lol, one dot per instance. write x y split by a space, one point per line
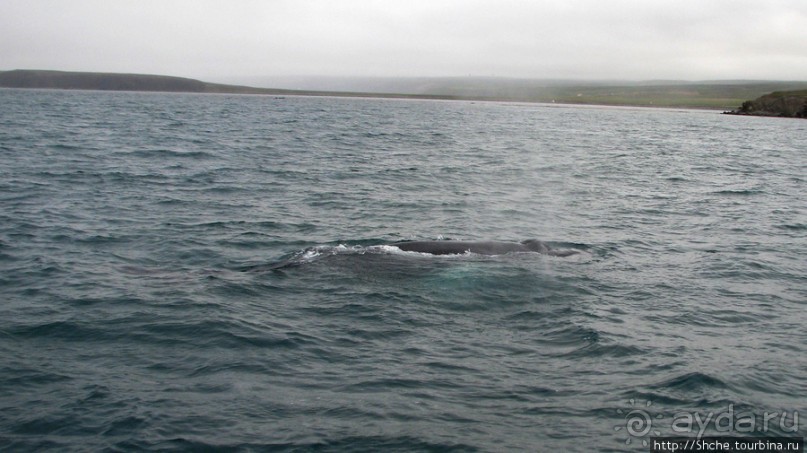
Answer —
436 247
460 247
481 247
534 245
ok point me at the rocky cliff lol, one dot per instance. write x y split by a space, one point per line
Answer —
791 104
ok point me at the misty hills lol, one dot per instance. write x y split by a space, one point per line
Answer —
658 93
715 95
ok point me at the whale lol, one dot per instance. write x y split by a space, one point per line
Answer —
481 247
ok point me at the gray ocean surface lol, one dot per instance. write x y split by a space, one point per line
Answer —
208 272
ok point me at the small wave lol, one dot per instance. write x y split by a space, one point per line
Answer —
572 340
725 318
233 225
169 153
64 330
349 443
64 146
793 226
23 378
695 381
739 192
597 349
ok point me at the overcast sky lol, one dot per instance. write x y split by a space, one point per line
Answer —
582 39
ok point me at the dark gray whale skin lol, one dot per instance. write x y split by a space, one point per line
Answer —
480 247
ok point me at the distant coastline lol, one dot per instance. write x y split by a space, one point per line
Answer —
722 95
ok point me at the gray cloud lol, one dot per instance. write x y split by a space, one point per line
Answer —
589 39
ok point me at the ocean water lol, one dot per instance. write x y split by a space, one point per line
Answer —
209 272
